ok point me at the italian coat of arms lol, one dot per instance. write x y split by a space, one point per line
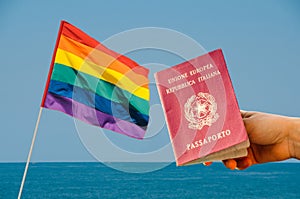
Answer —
201 110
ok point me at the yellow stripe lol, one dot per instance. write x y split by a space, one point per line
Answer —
104 73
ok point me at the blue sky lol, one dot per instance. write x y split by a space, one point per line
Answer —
260 40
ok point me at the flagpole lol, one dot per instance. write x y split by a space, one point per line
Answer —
41 108
30 152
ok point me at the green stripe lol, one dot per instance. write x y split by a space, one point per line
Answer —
102 88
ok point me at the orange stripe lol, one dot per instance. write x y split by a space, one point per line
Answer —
102 59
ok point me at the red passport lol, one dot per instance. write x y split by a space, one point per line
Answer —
201 110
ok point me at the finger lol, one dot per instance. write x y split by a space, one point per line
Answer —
230 164
243 113
207 163
243 163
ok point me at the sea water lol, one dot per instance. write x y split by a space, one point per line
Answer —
96 180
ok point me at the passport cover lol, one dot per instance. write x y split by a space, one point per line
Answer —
201 110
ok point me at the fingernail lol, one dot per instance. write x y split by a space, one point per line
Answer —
207 163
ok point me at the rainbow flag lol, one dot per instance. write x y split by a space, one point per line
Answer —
94 84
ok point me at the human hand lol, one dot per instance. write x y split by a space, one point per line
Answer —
272 138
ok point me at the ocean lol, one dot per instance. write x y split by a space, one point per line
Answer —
96 180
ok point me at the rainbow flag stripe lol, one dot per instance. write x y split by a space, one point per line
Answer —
94 84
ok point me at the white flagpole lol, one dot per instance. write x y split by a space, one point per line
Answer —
30 152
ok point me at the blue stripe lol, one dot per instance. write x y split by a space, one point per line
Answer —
122 111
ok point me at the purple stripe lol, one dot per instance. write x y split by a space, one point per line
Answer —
92 116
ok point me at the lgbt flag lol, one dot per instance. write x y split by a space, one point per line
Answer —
94 84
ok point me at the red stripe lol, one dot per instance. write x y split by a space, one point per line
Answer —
52 63
76 34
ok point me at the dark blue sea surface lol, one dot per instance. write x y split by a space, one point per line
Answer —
95 180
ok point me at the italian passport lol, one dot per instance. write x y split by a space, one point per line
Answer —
201 110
